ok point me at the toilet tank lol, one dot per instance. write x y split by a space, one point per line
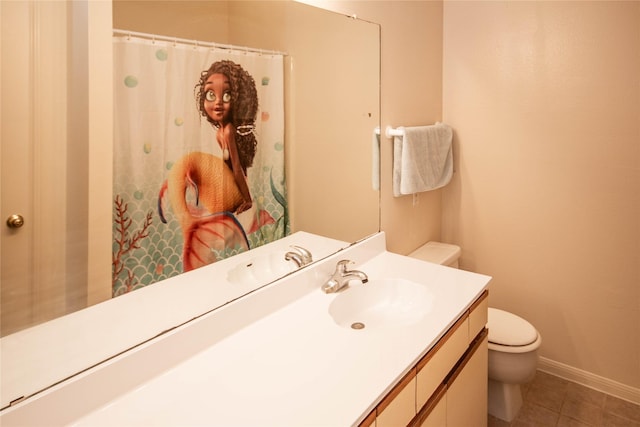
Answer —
439 253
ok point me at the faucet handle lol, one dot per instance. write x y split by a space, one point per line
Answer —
341 267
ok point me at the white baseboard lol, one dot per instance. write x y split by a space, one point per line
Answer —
590 380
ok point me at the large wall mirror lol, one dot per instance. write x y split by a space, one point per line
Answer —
332 106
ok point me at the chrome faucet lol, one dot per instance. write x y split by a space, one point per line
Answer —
299 255
342 276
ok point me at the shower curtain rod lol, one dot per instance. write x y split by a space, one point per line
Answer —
154 37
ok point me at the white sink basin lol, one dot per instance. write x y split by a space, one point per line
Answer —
262 269
381 303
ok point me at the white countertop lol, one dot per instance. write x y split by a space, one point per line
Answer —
35 358
275 357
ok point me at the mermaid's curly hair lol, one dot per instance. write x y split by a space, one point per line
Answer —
244 107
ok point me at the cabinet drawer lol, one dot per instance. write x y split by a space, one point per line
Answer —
467 387
438 362
399 407
478 315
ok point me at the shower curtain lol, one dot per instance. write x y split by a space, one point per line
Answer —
166 219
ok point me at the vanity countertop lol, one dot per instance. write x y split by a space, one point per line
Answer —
277 357
35 358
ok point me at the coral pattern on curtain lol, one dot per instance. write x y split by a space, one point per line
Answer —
175 198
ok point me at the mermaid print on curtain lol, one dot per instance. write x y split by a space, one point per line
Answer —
198 157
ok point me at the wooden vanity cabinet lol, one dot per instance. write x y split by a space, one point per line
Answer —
466 397
434 412
478 315
448 386
434 367
459 398
399 407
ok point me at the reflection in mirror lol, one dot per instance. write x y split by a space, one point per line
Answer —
197 179
331 97
331 103
56 159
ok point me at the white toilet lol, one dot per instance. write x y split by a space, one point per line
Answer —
513 343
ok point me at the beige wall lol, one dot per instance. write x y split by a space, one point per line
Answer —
411 96
411 93
189 19
329 189
544 98
328 134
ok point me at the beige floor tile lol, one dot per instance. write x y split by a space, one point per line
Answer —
585 394
584 412
531 415
622 408
545 379
565 421
497 422
550 401
611 420
546 396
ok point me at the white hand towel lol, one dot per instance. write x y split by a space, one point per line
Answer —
422 159
375 159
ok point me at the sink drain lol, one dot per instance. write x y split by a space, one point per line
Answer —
357 325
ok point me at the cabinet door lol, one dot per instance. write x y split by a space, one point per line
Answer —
434 413
467 388
439 361
369 421
399 407
437 417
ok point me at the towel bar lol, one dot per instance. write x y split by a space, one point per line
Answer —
389 132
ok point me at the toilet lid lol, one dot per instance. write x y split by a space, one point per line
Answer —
508 329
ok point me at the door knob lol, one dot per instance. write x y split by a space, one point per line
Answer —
15 221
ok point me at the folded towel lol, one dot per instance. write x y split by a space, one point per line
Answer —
422 159
375 159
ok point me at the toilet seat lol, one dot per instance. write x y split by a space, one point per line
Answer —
511 333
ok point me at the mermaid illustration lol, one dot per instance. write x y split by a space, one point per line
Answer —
208 193
228 99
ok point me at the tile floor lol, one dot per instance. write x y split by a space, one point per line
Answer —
550 401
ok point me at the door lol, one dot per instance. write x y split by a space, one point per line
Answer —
33 157
47 162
